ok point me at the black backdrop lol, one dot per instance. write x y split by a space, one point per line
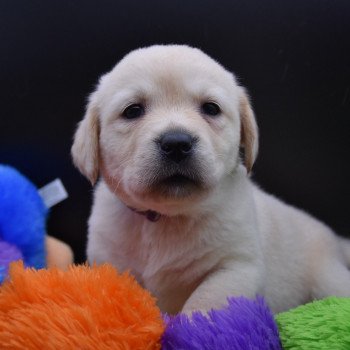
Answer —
293 56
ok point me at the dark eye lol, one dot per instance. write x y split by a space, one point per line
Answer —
210 108
133 111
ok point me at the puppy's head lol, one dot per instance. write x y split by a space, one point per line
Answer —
164 127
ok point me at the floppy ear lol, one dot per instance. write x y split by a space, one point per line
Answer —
85 149
249 130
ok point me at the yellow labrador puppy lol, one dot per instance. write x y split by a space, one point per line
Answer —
174 203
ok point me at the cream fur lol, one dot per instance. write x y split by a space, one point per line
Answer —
225 237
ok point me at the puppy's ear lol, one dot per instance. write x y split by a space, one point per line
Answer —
249 130
85 149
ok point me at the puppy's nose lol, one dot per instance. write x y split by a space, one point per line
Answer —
176 145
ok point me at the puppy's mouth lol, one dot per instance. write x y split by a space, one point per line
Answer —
178 180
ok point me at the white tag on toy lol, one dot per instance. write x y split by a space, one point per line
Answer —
53 193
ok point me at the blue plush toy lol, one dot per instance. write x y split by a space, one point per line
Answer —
22 221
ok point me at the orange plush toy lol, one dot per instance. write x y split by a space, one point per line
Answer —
81 308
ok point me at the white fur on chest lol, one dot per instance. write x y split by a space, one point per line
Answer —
172 256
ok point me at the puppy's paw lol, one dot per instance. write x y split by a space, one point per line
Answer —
190 310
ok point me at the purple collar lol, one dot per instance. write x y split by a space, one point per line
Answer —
151 215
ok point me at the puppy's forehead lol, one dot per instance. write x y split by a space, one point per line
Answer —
165 64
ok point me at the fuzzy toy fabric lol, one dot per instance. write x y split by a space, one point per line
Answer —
82 308
97 308
22 221
244 324
321 325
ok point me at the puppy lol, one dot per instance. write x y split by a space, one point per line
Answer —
174 203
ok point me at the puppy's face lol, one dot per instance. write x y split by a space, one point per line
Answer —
164 127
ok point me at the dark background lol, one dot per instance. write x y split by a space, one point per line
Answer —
293 56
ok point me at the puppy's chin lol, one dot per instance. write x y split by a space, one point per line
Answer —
177 187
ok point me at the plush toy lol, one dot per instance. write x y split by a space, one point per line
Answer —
242 324
80 308
22 226
321 325
97 308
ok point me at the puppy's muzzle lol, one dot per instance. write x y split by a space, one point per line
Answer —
177 170
176 146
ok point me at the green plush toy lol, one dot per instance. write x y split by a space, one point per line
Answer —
322 324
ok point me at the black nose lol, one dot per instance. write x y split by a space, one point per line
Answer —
176 145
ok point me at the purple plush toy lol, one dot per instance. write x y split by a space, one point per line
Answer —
8 253
243 325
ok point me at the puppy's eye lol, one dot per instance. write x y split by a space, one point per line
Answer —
133 111
211 109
